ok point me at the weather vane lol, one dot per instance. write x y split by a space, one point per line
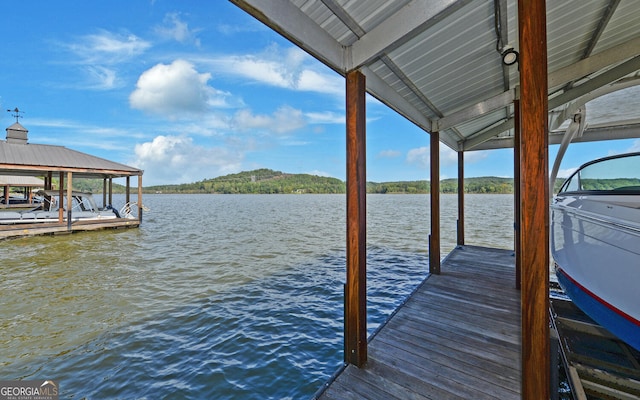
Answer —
16 113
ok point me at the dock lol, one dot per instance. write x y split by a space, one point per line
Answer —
40 229
456 337
597 364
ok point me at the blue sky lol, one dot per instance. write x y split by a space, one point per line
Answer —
195 89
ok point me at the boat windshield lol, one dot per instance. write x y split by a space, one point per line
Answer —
619 173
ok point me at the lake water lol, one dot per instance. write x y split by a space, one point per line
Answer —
215 296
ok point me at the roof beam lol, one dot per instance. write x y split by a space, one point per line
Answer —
288 20
477 110
389 96
592 85
597 82
569 109
401 27
594 63
604 21
474 141
591 134
575 71
344 17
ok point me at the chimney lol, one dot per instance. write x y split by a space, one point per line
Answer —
17 133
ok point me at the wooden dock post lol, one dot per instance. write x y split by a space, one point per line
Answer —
104 192
434 238
355 320
534 201
516 190
139 201
69 198
460 224
60 197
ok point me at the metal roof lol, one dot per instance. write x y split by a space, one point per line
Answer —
38 159
439 64
9 180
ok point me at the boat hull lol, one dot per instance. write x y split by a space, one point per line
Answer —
596 244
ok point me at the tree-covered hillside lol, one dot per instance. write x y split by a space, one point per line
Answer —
267 181
260 181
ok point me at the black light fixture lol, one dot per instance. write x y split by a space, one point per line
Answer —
509 56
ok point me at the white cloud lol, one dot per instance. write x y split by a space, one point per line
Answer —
421 156
565 173
175 89
176 29
635 147
289 68
319 173
389 154
102 78
314 81
98 54
176 159
326 117
284 120
108 48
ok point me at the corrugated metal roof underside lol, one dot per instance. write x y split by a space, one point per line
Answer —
450 64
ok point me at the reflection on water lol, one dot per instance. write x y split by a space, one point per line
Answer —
215 295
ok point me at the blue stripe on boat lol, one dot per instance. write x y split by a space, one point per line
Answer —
616 321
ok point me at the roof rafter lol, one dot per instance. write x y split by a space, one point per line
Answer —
287 19
381 90
593 84
401 27
594 63
344 17
573 72
608 13
477 110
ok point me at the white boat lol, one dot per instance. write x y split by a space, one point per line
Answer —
83 208
595 242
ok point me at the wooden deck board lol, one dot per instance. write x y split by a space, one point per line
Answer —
55 228
456 337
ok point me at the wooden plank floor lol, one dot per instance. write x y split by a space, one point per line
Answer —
55 228
456 337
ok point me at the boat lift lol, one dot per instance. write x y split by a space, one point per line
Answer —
598 365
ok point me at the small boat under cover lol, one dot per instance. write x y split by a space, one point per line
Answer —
83 208
595 242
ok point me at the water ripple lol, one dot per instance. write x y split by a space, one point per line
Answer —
250 306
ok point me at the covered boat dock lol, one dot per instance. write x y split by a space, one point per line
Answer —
22 160
26 184
474 75
456 337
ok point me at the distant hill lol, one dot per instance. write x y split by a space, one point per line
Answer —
260 181
267 181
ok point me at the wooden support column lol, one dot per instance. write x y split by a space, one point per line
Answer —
139 201
434 237
460 198
61 198
6 195
534 186
355 330
517 220
104 192
127 196
110 191
69 198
